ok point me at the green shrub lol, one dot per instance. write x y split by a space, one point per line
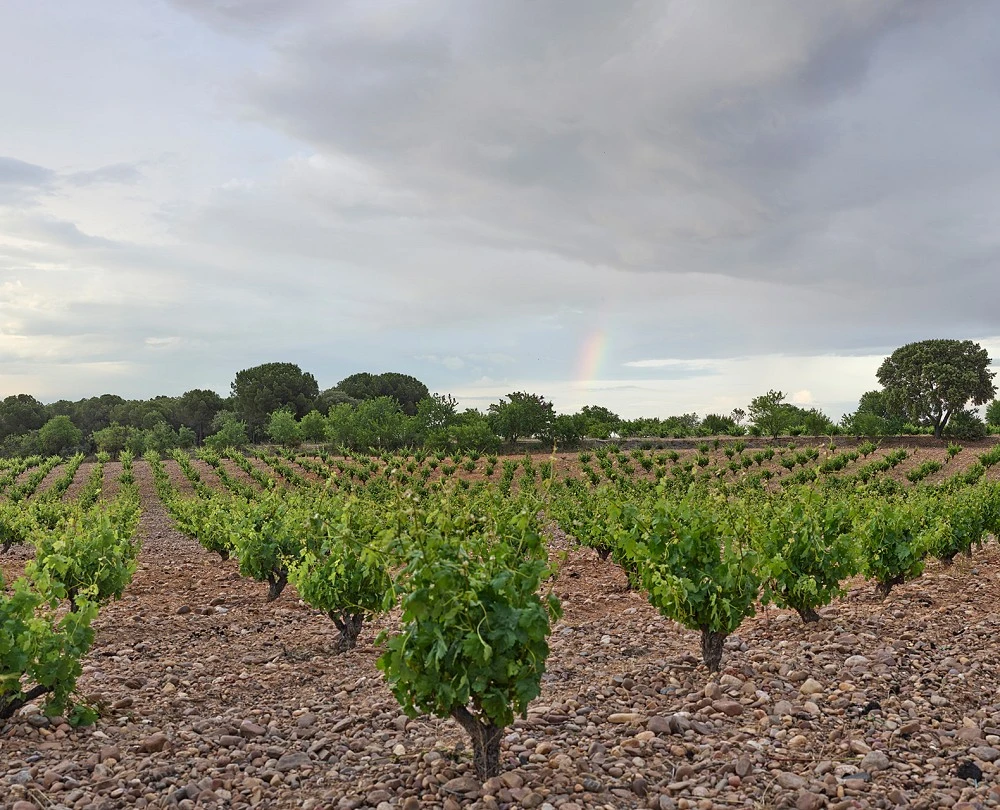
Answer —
806 551
888 534
344 570
40 646
473 642
696 570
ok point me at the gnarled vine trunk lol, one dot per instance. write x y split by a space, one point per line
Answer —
9 704
485 742
276 584
711 648
349 625
883 588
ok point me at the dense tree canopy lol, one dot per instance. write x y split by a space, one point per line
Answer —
521 415
406 390
260 391
19 414
197 408
59 436
932 379
993 413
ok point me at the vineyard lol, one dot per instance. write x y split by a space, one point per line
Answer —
713 624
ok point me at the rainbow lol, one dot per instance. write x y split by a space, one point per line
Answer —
593 351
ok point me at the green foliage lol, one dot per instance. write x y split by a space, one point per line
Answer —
564 431
228 431
696 567
40 646
717 425
993 413
990 457
260 391
966 425
888 534
599 422
197 408
20 413
344 571
407 391
313 426
806 551
284 430
957 521
924 469
768 414
91 554
373 424
933 379
473 642
266 537
59 436
521 415
867 448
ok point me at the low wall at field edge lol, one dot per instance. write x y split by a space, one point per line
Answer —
755 442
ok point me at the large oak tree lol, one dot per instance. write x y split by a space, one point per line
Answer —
932 379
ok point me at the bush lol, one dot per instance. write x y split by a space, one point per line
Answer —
889 538
59 436
92 554
40 646
266 537
695 569
806 551
228 432
473 644
344 571
965 425
993 413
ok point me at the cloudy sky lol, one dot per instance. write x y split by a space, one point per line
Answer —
656 206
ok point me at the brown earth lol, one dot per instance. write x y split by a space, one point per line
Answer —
215 698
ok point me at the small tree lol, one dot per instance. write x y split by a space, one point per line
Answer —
769 414
283 429
59 436
313 426
228 432
473 644
933 379
993 414
111 439
521 415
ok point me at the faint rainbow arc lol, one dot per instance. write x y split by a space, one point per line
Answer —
593 351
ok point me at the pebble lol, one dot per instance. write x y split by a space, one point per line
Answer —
153 743
811 687
874 761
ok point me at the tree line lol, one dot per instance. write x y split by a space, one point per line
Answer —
931 387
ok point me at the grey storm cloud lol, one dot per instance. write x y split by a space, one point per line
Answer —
845 146
421 185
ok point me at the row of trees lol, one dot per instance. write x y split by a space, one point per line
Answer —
926 387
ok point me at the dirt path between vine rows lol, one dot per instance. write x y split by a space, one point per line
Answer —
215 698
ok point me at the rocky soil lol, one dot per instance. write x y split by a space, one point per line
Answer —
215 698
